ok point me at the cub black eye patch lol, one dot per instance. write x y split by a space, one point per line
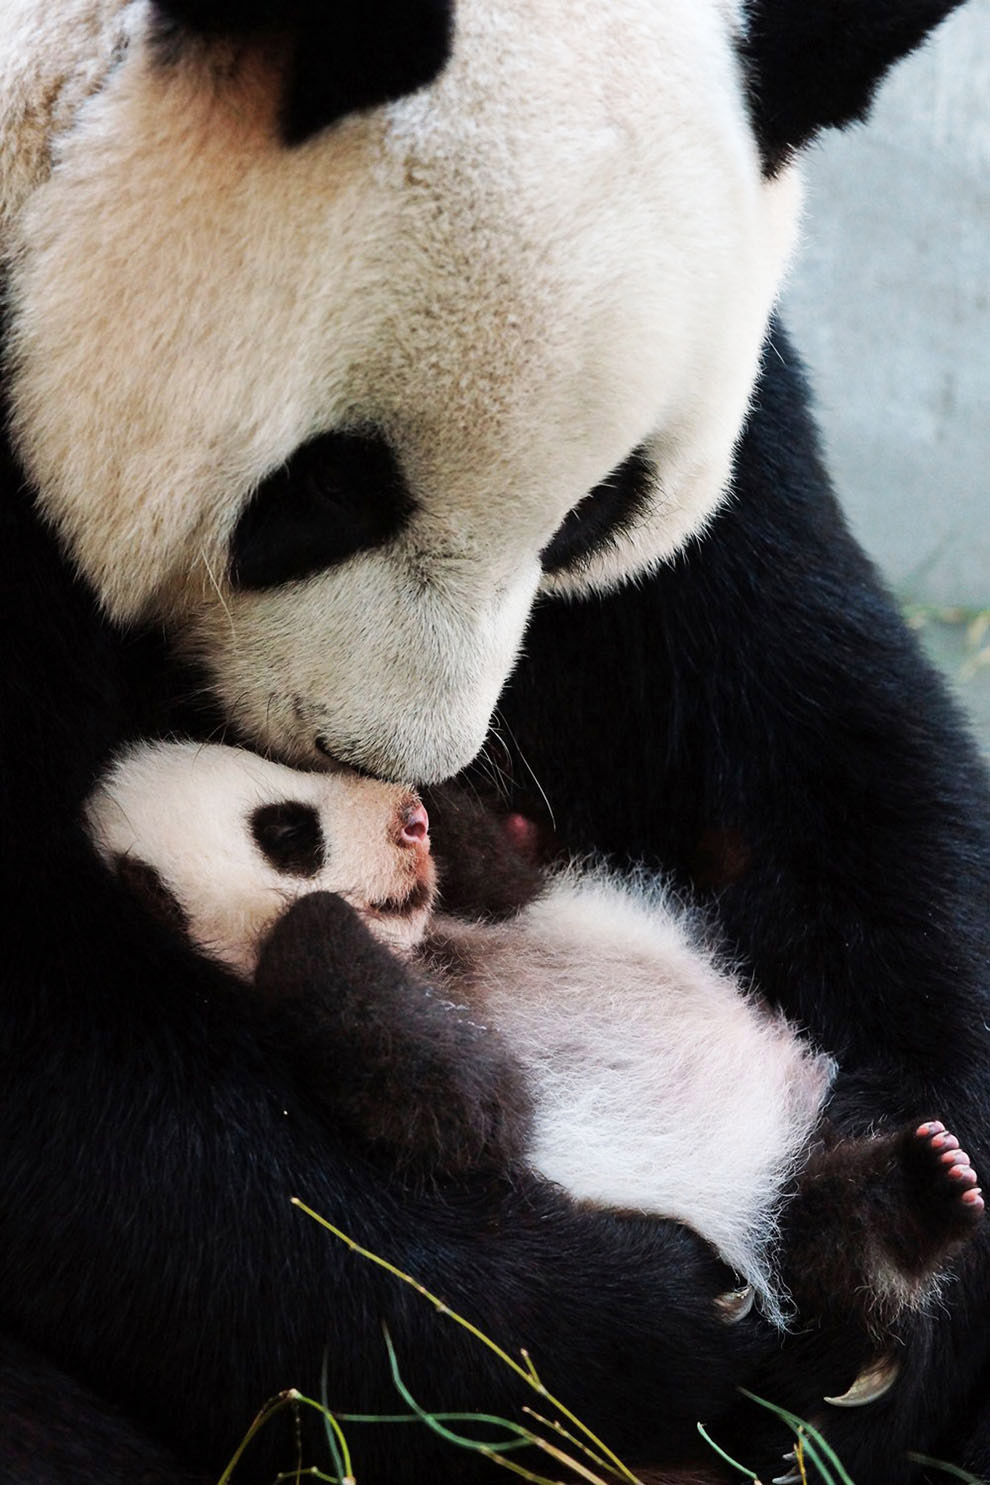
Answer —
289 836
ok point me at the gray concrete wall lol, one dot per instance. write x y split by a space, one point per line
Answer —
889 302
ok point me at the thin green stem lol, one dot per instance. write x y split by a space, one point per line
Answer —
947 1469
559 1428
272 1406
818 1450
527 1372
733 1463
336 1442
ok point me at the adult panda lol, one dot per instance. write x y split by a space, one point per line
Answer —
325 378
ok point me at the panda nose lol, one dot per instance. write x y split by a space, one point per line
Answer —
414 825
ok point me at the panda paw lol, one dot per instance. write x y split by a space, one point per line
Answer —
945 1185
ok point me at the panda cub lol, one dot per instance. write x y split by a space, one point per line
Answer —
576 1021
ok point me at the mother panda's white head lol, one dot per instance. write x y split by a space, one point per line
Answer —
335 412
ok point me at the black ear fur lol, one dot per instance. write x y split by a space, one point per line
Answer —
148 887
345 55
815 66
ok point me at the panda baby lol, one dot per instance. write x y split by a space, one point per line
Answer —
576 1021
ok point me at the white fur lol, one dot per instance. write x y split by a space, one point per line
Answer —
560 249
185 810
52 58
658 1084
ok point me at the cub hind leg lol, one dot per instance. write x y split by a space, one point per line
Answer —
875 1221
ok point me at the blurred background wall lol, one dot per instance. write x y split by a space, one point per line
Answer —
889 303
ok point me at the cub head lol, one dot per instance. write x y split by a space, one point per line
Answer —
220 842
338 334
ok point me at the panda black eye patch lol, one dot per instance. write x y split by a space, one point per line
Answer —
289 837
339 494
603 514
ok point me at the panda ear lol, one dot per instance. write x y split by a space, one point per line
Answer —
815 64
344 55
151 891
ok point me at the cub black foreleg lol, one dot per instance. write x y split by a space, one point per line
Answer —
409 1070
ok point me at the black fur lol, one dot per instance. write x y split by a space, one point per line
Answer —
875 1220
603 514
342 56
414 1074
289 836
813 66
149 888
480 875
339 494
54 1432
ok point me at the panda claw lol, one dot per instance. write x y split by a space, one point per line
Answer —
735 1304
872 1383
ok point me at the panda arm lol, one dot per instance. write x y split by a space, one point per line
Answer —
38 1402
157 1127
483 874
396 1061
775 738
155 1130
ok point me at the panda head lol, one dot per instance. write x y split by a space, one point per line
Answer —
335 342
221 842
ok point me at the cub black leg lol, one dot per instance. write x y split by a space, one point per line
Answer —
875 1221
391 1057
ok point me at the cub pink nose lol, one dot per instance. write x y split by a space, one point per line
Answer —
414 825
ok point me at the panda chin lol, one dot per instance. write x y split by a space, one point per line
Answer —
418 897
400 920
400 927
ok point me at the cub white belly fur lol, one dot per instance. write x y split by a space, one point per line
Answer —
659 1084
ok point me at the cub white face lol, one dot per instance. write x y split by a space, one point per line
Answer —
420 340
234 839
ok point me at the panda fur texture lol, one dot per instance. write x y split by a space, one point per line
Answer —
650 1080
656 1084
202 383
558 254
234 838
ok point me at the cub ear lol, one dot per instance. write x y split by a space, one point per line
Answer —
150 890
815 64
344 55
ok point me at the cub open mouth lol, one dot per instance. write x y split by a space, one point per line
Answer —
419 896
